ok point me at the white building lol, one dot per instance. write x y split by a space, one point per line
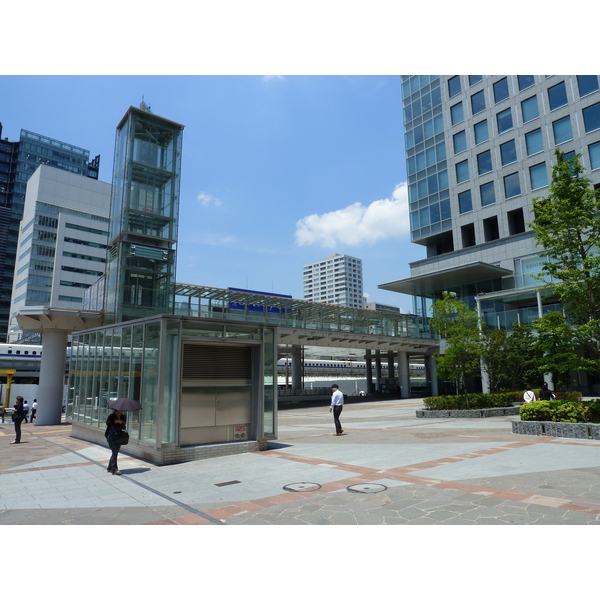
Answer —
337 279
62 242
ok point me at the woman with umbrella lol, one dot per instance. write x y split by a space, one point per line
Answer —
115 429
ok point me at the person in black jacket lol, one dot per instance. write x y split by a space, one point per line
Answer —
17 417
545 393
115 422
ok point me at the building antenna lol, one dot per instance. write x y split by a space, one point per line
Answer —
145 106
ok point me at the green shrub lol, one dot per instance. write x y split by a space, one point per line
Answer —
476 401
572 412
539 410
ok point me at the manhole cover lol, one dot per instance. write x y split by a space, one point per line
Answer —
367 488
302 486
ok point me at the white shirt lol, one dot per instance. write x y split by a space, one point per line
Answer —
337 398
528 396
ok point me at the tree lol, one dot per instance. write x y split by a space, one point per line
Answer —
567 226
521 357
459 326
493 356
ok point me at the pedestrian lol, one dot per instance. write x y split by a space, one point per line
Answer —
528 396
115 423
33 410
17 417
26 409
337 404
2 412
545 393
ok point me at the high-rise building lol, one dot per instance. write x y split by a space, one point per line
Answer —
62 241
337 279
140 274
18 161
478 150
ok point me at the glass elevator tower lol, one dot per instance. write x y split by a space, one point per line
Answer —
140 273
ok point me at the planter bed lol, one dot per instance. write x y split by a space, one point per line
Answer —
586 431
476 413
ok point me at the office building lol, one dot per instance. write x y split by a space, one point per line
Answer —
18 161
62 241
337 279
478 150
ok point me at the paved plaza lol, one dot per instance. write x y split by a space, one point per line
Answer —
387 468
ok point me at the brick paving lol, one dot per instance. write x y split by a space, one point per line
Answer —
388 468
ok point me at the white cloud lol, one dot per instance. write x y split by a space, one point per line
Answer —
357 224
216 239
206 199
267 78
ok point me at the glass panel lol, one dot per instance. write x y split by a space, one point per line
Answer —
538 176
488 195
481 132
477 102
484 162
557 95
170 382
591 117
473 79
562 130
501 90
512 186
465 203
525 81
136 377
454 85
594 150
457 114
460 142
150 393
504 120
534 142
462 171
270 383
508 152
587 84
529 109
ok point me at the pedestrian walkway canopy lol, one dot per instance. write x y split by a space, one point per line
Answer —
302 315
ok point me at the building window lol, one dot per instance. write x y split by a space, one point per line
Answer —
504 120
462 171
454 85
562 130
468 235
525 81
473 79
508 152
490 229
557 95
512 186
591 117
477 102
534 142
529 109
587 84
484 162
538 176
457 114
501 90
481 132
516 222
460 141
488 195
594 150
465 203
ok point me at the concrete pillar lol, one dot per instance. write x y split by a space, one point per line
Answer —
296 353
52 375
432 373
403 374
378 370
369 371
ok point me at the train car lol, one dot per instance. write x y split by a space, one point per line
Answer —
342 367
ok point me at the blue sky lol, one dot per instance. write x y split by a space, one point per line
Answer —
277 171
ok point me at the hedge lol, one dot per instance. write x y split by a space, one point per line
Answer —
476 401
562 411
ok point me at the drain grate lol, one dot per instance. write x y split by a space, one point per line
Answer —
227 483
367 488
302 486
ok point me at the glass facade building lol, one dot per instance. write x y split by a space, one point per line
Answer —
144 211
18 161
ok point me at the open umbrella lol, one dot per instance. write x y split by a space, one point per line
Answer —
124 404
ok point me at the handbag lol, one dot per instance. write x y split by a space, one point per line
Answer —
119 436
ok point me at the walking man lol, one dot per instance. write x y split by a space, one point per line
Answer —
337 404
